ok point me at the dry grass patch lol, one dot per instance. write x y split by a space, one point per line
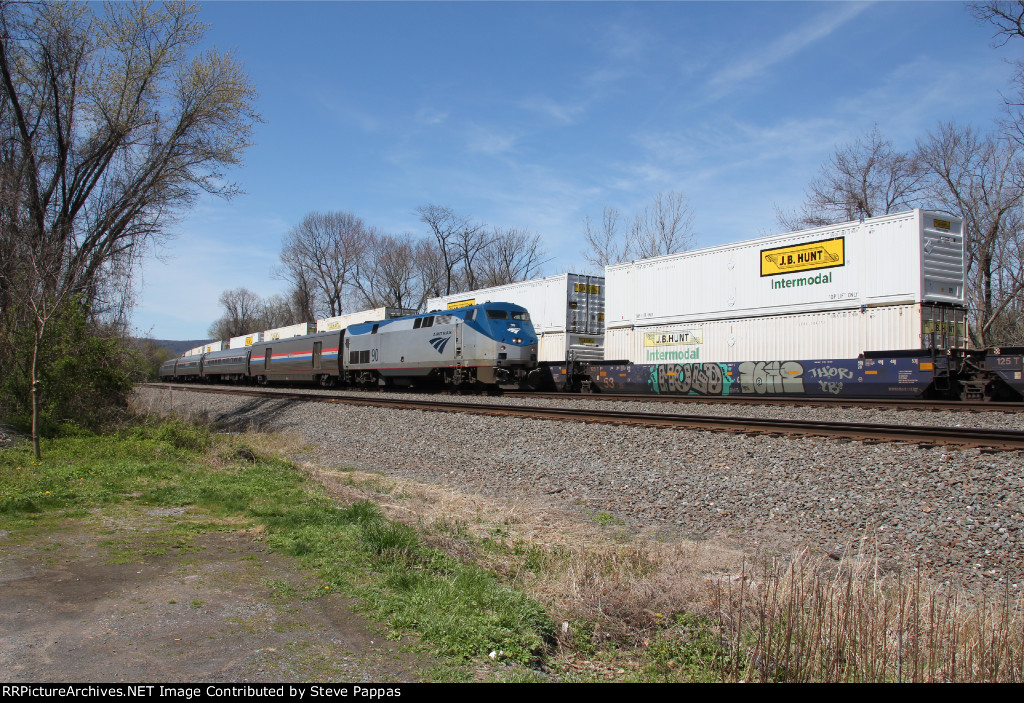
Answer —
599 582
633 605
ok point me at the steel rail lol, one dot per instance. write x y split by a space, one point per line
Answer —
876 403
925 435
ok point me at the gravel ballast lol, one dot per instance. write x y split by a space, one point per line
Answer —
955 513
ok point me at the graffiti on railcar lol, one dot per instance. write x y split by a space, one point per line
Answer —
771 377
691 379
831 378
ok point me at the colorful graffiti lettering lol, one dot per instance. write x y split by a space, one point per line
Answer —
765 377
694 379
836 375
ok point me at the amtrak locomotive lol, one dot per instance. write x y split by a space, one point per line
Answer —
492 345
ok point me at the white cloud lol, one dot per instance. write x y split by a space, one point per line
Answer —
431 116
732 76
561 111
485 140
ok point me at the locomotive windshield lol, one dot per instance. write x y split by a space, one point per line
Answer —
508 315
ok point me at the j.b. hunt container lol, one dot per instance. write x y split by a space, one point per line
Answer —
567 312
340 322
891 282
245 340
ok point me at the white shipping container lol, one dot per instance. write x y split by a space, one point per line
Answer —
831 334
901 259
290 331
212 347
567 312
245 340
339 322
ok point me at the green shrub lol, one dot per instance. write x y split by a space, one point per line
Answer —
84 369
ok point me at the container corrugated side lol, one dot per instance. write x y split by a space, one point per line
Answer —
833 334
298 330
561 346
565 302
875 262
245 340
339 322
544 298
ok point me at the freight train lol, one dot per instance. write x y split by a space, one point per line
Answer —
487 346
873 308
869 308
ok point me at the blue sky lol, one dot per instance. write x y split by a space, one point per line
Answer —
537 114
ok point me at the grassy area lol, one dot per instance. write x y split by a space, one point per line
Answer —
493 586
458 610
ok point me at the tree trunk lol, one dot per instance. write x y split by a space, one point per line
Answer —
35 388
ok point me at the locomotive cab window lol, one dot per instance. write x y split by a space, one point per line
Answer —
524 316
497 315
428 322
417 322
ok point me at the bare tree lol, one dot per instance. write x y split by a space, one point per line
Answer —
977 177
867 178
512 255
605 245
302 295
1008 18
431 272
471 242
664 227
110 124
459 241
243 313
278 311
322 253
387 276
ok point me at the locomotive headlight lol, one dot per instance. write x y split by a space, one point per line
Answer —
517 340
501 348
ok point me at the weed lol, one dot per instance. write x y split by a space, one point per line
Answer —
690 648
606 519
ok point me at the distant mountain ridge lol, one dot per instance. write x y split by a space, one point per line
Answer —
179 347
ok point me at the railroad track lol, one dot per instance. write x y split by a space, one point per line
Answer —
877 403
991 439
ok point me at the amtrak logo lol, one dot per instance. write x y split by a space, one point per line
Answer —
439 343
514 329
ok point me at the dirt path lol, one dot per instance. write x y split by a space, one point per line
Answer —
100 601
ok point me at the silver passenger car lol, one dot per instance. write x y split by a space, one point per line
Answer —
311 358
